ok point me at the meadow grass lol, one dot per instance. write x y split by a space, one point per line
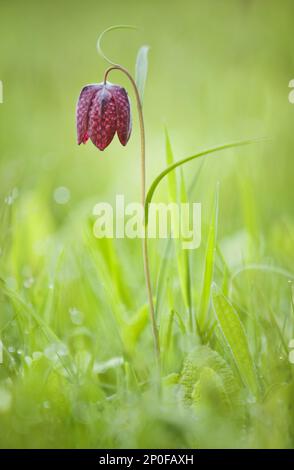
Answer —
78 363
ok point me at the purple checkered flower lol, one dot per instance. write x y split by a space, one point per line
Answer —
102 110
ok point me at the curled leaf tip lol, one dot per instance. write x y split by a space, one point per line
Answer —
107 30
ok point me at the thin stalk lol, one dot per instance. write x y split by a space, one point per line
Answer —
143 198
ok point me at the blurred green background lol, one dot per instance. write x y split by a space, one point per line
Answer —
219 71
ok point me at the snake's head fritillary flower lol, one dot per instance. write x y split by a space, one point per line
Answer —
102 110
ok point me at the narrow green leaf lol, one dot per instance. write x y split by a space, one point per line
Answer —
235 336
209 267
161 275
141 70
225 271
132 330
184 195
99 41
161 278
175 165
184 261
169 330
171 178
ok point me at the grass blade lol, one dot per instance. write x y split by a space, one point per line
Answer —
175 165
171 178
209 268
141 70
235 336
182 255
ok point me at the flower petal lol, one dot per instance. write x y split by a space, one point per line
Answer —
124 123
82 111
102 119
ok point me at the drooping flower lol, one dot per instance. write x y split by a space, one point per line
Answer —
102 110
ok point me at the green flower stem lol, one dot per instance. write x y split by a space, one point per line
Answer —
143 197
